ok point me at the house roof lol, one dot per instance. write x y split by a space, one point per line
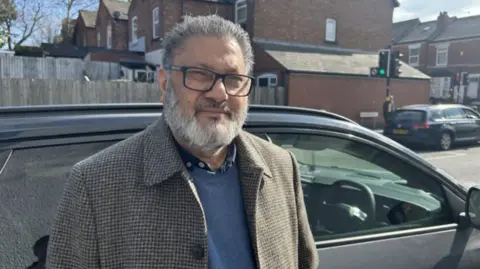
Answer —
89 17
401 29
301 58
461 28
421 32
114 6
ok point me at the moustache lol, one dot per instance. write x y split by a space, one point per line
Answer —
209 103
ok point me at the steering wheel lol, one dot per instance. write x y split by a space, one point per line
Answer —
365 191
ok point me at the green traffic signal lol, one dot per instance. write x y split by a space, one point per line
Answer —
381 72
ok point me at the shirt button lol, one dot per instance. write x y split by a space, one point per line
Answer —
201 165
198 252
189 164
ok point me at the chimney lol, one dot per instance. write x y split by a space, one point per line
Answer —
442 21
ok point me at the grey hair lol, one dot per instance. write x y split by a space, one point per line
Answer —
210 25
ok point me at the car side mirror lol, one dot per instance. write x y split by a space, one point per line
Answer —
472 207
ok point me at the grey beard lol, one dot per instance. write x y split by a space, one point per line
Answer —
207 139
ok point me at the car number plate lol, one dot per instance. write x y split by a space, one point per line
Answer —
400 131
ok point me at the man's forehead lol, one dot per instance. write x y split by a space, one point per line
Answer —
210 52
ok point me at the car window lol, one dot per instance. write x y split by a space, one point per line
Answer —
353 189
454 113
471 114
30 186
436 114
410 115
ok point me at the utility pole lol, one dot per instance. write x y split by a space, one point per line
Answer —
388 69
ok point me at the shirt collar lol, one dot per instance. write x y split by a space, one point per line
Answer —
192 162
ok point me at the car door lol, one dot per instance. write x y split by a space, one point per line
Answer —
458 121
474 120
413 224
31 183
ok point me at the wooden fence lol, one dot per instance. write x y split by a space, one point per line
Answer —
15 92
268 96
56 68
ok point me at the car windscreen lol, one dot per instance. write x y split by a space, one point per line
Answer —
410 115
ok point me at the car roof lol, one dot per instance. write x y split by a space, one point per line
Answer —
427 107
29 122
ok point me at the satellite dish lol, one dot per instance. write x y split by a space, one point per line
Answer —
116 14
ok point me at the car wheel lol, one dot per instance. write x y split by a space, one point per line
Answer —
446 141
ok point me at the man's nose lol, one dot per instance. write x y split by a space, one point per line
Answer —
218 91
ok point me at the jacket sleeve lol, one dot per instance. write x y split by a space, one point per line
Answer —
73 242
307 251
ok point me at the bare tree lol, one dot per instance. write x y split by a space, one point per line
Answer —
20 29
47 30
71 9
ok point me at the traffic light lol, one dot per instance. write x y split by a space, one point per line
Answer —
395 64
457 80
383 63
465 79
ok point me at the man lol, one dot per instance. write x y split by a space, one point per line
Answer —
192 190
388 109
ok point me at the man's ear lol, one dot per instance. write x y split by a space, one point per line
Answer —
162 81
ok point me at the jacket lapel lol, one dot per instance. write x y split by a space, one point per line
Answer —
253 171
160 155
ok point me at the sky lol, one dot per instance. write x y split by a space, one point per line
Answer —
428 10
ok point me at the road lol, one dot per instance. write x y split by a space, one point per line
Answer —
463 163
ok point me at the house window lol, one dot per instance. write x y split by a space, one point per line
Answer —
98 38
109 36
241 11
156 22
134 29
442 55
84 39
267 80
331 30
414 54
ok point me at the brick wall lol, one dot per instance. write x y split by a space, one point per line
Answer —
360 24
119 29
348 96
82 32
469 61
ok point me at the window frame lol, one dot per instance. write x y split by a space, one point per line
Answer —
109 35
417 56
99 39
241 4
134 30
451 191
329 23
440 50
155 23
267 76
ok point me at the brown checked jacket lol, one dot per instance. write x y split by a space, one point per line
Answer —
133 205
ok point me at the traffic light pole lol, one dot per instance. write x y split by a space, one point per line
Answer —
388 70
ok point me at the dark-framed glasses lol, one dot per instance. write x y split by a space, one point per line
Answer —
203 80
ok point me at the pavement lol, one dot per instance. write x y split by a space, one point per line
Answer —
462 162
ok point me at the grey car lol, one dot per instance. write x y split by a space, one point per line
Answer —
371 202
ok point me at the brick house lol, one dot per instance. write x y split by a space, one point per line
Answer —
84 32
111 25
321 49
443 48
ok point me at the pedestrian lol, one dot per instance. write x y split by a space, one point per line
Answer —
192 190
388 110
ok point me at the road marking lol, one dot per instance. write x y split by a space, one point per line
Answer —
449 155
